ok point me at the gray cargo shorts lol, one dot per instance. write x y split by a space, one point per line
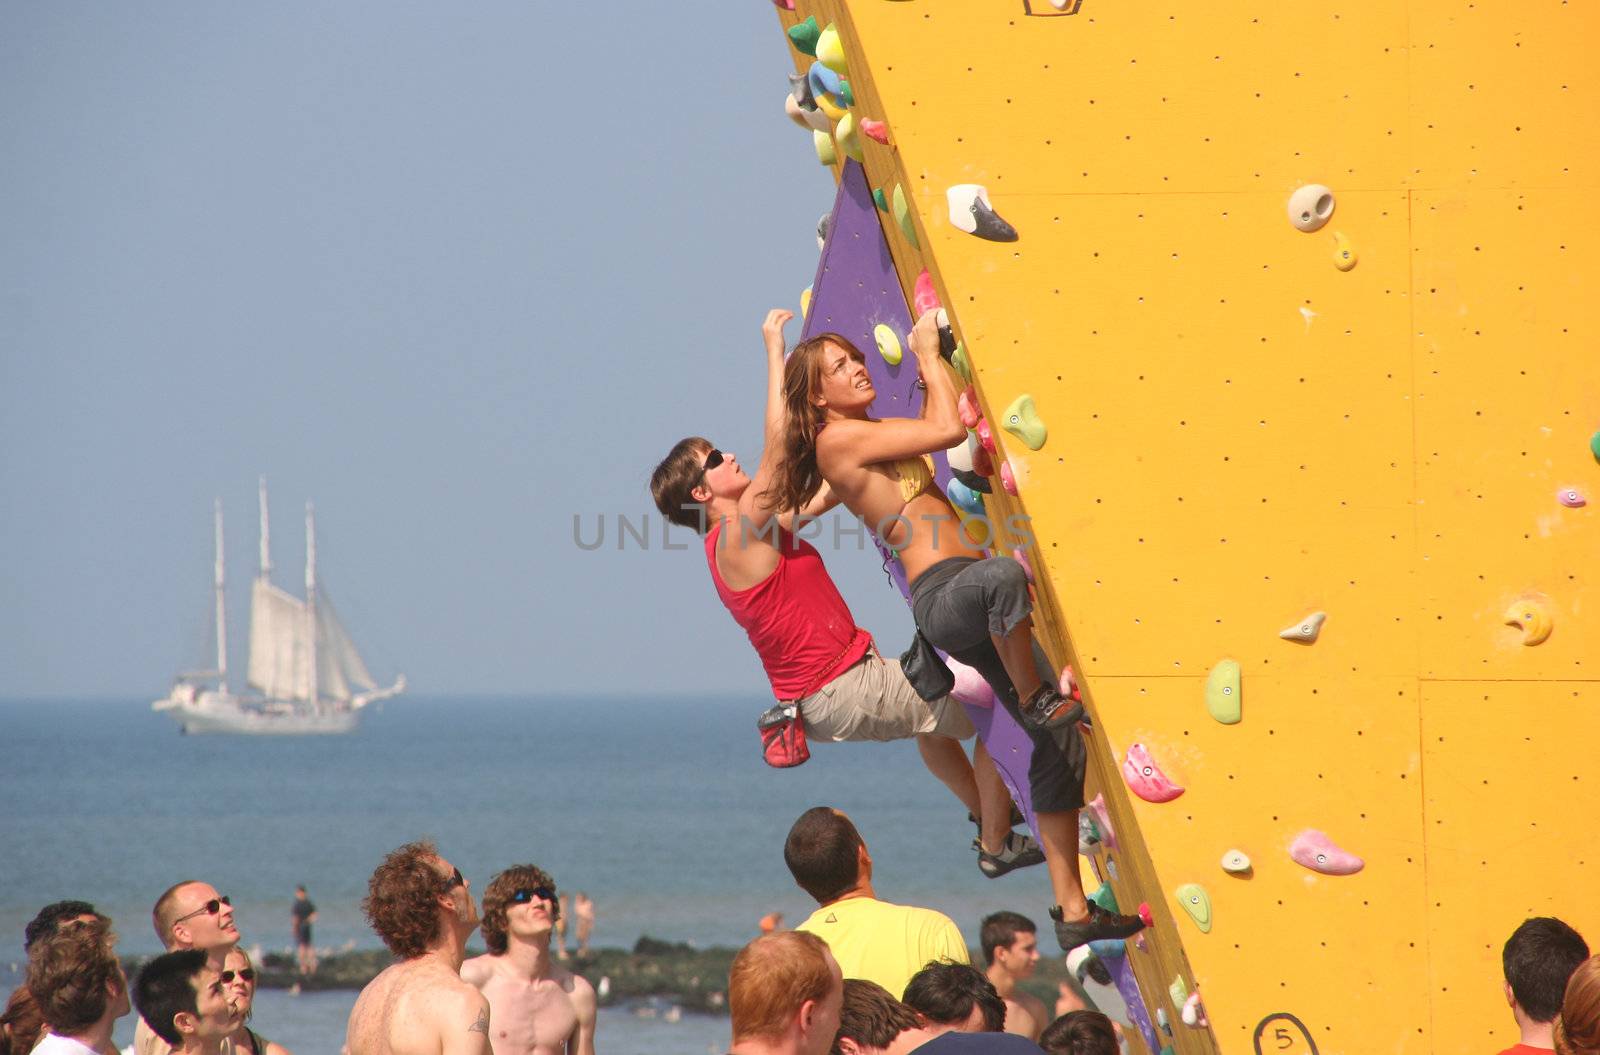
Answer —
872 700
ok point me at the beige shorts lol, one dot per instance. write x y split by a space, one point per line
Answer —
872 700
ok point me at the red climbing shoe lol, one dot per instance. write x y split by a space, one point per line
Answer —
1097 926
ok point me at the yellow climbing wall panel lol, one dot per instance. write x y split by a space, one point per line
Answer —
1241 433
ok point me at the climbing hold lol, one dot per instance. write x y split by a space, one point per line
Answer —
1306 630
876 131
1161 1021
1068 685
970 210
967 407
832 106
824 144
1223 696
1021 557
797 115
1317 852
902 216
816 120
1344 255
1111 868
787 5
1572 498
1177 991
924 298
1594 446
846 97
1022 421
1166 1049
1532 615
822 229
1194 900
958 359
1145 915
982 462
803 35
830 49
970 688
1088 834
1138 943
1109 948
800 89
1103 816
974 481
947 336
1145 778
1008 479
1310 207
985 435
959 457
1105 897
1194 1012
888 344
846 136
805 302
1235 862
879 200
823 81
964 498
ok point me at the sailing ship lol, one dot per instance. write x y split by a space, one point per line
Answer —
304 673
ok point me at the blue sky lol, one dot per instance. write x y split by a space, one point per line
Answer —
456 273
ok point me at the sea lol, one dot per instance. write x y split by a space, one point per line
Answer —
659 808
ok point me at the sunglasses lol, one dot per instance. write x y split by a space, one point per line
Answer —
455 880
248 974
542 893
210 908
714 459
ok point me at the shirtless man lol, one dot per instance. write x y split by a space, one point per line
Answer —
1011 950
539 1008
422 908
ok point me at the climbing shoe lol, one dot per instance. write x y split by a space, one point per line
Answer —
1097 925
1048 709
1019 851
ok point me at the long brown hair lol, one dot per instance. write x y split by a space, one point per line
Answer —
1577 1029
798 479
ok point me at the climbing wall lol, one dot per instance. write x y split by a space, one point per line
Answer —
1291 458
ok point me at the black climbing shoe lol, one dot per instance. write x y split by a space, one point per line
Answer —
1083 963
1099 925
1048 709
1019 851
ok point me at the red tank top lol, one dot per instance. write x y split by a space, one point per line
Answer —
796 620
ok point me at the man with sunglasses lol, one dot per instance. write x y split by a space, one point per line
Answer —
538 1007
189 915
422 908
775 586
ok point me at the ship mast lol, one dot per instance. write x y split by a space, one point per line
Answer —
266 550
222 605
311 603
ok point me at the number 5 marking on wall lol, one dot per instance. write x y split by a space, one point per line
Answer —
1280 1033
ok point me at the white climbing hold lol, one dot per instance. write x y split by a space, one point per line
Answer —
1310 207
1235 862
1306 629
971 212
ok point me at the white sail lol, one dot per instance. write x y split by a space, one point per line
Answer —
279 651
340 668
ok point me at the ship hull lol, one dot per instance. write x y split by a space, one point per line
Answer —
210 714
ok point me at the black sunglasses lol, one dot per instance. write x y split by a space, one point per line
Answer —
210 908
455 880
713 460
543 893
248 974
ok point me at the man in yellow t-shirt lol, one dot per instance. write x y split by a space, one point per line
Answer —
871 939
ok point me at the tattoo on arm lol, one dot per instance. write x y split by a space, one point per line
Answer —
482 1024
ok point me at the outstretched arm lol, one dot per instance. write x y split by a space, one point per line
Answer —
751 509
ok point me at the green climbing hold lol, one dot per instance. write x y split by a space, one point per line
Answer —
846 96
902 216
1223 695
1194 900
879 200
1105 897
1594 446
1178 992
803 35
1022 421
958 359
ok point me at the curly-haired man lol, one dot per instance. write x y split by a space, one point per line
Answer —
539 1007
422 908
74 975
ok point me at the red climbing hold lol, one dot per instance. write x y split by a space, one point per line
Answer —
876 131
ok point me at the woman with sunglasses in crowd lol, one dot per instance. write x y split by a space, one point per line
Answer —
239 979
975 608
817 659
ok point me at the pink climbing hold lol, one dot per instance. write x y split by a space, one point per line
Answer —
1145 778
1008 479
967 407
1320 854
1572 498
970 688
982 462
1144 914
1102 814
876 131
1021 557
1194 1012
924 298
1069 689
985 435
787 5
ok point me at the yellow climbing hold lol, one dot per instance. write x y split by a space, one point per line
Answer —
805 302
1344 254
1022 421
831 105
888 344
1532 615
902 216
958 359
845 135
824 143
830 49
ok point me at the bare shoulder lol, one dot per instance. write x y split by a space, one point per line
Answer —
477 970
577 987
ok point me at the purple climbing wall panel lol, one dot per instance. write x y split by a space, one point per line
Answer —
856 289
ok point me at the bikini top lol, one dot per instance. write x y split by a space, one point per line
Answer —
916 476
